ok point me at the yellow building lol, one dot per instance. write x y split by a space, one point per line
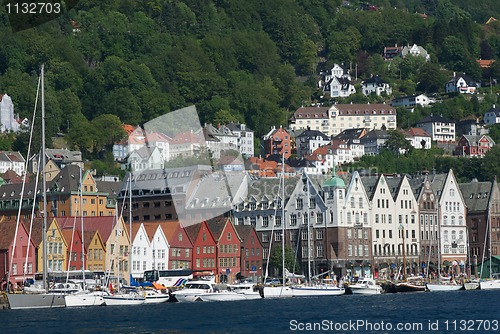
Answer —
66 198
96 251
57 249
117 255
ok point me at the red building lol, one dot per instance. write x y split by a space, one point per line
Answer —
181 248
74 251
23 246
204 248
474 146
278 141
228 248
251 252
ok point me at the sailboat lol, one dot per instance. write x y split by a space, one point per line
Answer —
43 299
129 296
493 283
84 297
281 290
443 284
318 288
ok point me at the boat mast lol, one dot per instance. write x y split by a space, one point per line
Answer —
83 238
308 229
44 187
283 217
130 223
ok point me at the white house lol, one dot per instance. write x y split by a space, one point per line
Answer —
339 117
8 120
418 138
415 50
145 158
141 251
12 161
338 82
461 83
245 138
375 85
412 101
440 128
453 230
492 116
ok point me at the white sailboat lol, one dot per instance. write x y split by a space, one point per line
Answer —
443 284
493 283
132 296
84 297
282 290
39 300
321 287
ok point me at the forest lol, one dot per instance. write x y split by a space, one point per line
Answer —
122 61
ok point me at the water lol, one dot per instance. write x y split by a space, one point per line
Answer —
425 312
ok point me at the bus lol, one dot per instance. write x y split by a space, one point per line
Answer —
92 278
168 278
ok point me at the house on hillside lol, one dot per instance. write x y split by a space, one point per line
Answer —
415 50
418 138
441 129
412 101
8 121
492 115
462 84
375 85
474 146
278 141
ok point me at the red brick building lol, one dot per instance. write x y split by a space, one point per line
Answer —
278 141
251 252
474 146
204 248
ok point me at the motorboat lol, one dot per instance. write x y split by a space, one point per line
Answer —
366 286
325 287
234 292
193 290
124 298
154 296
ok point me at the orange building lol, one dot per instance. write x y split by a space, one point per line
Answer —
64 198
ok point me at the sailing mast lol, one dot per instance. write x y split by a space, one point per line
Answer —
308 229
130 224
44 187
82 235
283 217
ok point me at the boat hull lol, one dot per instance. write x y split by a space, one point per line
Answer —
223 296
490 285
443 287
81 300
157 299
29 301
366 291
303 291
407 287
187 297
123 300
277 292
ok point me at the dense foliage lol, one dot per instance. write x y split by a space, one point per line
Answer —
123 61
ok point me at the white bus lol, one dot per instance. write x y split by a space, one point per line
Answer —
168 278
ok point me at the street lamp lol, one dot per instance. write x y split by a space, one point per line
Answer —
402 229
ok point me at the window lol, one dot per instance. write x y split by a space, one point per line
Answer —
352 202
349 234
293 220
277 236
299 204
319 234
265 221
265 237
304 235
277 221
319 251
228 236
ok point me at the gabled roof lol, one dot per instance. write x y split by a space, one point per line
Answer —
7 232
308 133
349 134
476 195
103 224
416 132
67 180
374 80
217 226
470 82
245 231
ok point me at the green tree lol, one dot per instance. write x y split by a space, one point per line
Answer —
276 259
107 130
397 142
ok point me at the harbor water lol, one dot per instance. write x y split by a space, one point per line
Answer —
421 312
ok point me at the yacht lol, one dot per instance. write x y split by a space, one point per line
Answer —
193 290
366 286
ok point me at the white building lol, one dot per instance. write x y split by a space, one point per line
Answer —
412 101
415 50
339 117
8 120
12 161
451 217
245 138
461 83
375 85
440 128
418 138
492 116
